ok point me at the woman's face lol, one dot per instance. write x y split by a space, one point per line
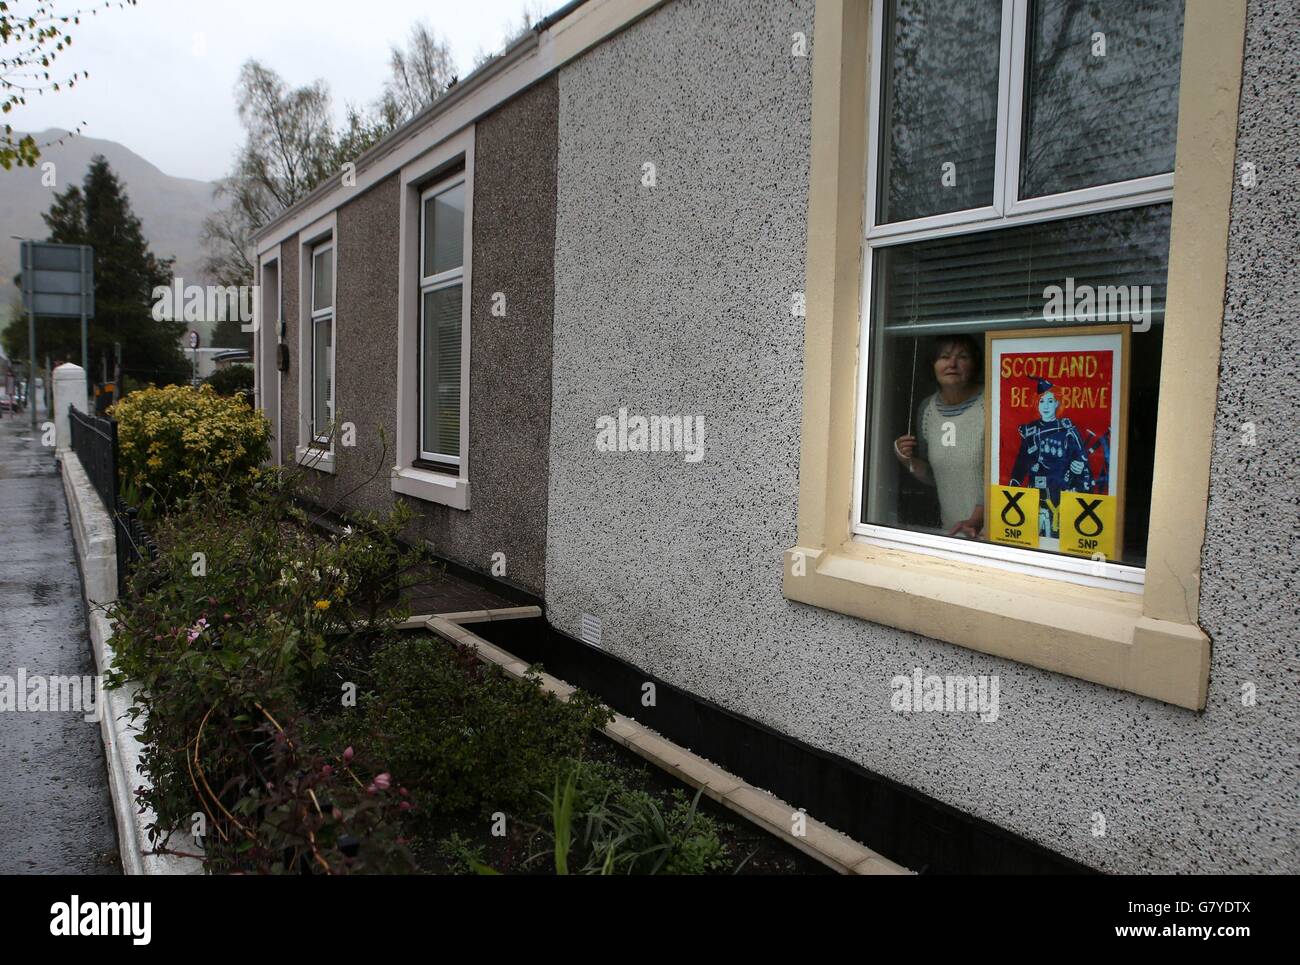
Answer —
1047 406
954 367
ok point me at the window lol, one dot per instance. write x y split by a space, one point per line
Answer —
436 218
322 344
1145 638
1019 150
442 271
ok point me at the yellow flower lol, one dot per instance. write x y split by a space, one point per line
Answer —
322 604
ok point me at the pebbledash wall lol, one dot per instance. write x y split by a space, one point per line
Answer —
675 300
510 357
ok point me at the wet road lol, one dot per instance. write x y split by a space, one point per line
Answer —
55 812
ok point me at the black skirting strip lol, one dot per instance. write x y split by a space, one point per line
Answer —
904 825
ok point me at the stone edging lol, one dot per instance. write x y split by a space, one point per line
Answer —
92 531
832 848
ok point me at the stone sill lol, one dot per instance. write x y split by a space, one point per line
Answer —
432 487
1086 632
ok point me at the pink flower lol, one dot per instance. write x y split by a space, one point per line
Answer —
347 756
405 806
327 770
193 633
383 781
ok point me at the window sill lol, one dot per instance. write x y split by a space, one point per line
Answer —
1094 634
433 487
319 459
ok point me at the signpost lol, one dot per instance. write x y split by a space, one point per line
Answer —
194 357
57 280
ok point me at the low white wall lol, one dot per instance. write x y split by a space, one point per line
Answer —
92 530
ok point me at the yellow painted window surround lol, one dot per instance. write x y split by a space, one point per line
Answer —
1148 643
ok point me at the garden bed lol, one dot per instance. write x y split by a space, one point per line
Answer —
292 722
287 714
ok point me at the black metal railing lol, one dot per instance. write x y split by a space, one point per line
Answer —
94 440
133 543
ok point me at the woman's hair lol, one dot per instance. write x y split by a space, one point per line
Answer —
971 344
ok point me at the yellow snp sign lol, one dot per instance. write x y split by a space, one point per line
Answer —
1088 525
1013 516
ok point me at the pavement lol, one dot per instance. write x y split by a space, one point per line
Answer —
56 816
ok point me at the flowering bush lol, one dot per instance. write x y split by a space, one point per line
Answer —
174 441
235 658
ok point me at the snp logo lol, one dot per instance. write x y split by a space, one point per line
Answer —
103 918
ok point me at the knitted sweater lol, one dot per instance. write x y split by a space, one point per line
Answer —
958 467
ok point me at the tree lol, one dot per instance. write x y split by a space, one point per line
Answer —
290 148
32 39
513 30
98 213
419 75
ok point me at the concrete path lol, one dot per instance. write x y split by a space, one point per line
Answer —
55 812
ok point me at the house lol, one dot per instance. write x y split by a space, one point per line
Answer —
647 306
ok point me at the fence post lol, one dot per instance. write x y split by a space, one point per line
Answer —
69 389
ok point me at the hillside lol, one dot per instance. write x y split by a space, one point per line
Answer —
171 210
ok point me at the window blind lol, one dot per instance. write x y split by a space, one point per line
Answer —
996 279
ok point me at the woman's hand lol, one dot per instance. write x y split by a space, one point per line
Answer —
905 449
970 528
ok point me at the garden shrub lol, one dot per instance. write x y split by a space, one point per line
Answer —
231 635
232 380
470 738
237 639
605 826
176 441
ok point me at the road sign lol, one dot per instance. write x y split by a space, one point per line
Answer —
58 279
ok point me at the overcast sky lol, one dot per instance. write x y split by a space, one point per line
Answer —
162 73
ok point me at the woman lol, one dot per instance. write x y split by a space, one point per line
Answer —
949 453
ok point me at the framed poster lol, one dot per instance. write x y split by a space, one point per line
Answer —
1057 416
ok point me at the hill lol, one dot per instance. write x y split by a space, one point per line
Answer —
171 210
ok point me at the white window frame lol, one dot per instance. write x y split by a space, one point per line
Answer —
318 316
1007 211
431 169
266 341
314 450
432 283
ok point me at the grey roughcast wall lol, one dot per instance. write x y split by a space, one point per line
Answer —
674 300
510 356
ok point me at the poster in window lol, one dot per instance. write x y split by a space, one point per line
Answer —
1055 438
